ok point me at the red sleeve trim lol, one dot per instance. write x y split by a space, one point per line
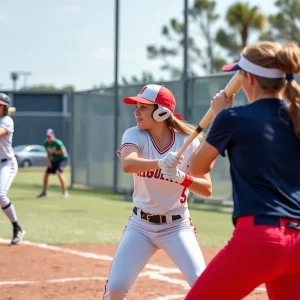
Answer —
124 145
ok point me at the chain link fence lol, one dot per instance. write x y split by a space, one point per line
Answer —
93 127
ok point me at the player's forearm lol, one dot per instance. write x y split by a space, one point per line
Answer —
3 131
201 186
59 152
138 165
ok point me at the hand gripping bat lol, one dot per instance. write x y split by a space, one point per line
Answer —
231 88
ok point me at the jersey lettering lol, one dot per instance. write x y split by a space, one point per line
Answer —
153 192
183 197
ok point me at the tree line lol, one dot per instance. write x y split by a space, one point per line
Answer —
209 47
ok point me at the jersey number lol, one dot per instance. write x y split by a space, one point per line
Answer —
183 196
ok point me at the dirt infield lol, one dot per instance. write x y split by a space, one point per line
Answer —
41 272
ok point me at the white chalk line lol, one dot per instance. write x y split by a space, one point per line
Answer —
171 297
61 280
91 255
153 275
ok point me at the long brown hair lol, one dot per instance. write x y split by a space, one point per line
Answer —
182 126
286 58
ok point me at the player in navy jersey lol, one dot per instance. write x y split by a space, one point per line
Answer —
262 141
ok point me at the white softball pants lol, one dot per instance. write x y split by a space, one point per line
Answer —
8 172
141 240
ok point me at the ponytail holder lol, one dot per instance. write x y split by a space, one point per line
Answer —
289 76
178 116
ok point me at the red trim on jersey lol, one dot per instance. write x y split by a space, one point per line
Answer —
168 147
195 230
105 289
124 145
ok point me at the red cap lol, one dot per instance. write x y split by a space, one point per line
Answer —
154 94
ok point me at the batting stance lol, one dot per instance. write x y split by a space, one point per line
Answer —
262 140
8 167
160 218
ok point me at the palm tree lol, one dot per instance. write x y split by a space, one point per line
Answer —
242 19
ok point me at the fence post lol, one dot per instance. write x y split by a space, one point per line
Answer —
116 94
185 62
72 136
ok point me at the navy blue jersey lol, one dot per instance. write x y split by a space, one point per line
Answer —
264 155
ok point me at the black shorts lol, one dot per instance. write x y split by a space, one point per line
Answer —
57 166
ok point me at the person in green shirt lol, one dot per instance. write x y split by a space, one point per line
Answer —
57 161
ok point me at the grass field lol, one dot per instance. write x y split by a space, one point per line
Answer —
70 243
91 216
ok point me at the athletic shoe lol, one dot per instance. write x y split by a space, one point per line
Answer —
66 194
42 194
18 234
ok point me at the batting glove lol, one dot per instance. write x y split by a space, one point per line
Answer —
170 160
173 174
178 176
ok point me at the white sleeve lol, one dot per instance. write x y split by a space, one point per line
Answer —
131 137
7 123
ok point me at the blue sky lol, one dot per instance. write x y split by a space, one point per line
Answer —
71 41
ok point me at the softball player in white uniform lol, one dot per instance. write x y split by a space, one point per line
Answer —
160 217
8 167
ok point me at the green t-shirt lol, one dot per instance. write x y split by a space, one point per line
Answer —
56 144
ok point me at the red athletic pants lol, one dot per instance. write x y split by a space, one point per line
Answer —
255 254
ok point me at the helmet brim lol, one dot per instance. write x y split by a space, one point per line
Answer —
135 99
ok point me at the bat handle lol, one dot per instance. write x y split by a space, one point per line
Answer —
208 117
189 140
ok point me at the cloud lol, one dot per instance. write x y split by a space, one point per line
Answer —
5 18
67 10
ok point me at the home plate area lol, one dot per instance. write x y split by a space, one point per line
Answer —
32 271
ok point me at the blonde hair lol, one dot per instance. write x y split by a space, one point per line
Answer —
181 126
286 58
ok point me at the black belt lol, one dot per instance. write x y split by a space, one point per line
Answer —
275 221
157 219
3 160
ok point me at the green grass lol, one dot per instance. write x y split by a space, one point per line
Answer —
91 216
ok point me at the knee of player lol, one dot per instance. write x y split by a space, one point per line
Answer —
3 196
115 290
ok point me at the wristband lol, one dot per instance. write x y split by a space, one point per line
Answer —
188 180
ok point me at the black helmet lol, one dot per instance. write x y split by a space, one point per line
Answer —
4 99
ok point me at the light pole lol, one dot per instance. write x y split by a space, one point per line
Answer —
116 94
25 74
185 62
15 76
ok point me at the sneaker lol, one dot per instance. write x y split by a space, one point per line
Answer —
18 234
66 194
42 194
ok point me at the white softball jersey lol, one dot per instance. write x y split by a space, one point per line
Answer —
152 193
6 150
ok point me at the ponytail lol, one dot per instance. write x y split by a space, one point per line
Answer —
288 58
181 126
292 95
